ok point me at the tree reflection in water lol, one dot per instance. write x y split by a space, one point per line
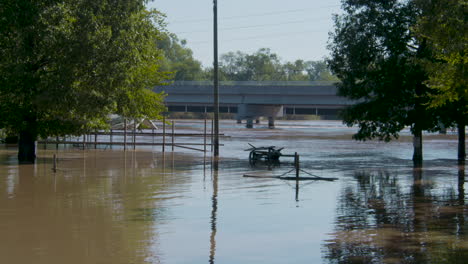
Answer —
379 220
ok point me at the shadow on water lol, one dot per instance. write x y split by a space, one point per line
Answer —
383 219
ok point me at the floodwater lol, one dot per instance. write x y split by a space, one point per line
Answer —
142 206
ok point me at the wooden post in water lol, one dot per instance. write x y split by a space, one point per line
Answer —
297 190
125 134
296 164
215 140
164 135
212 134
173 124
55 163
111 138
134 133
204 138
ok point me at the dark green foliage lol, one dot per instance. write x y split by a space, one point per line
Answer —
178 59
444 24
374 54
265 65
67 65
262 65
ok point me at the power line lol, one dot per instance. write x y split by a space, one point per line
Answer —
251 15
256 26
276 35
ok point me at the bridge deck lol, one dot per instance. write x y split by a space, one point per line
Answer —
305 94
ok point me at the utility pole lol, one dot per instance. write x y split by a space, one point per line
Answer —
215 78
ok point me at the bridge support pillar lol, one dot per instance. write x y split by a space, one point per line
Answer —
271 122
249 123
250 112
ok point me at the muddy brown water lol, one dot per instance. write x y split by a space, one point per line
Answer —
142 206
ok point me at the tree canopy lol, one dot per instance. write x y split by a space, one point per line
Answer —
178 59
66 65
443 23
262 65
265 65
374 53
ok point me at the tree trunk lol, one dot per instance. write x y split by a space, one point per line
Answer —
27 147
418 148
461 143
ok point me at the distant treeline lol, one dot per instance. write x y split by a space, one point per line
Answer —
262 65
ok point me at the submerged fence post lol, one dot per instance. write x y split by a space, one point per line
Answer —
297 190
125 134
212 133
55 163
296 164
204 138
110 138
134 133
164 135
173 124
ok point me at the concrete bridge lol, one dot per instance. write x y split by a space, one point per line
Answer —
251 100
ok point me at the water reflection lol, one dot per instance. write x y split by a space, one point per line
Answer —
297 191
381 221
149 207
98 208
461 184
214 211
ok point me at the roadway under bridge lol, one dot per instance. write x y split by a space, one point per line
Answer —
252 100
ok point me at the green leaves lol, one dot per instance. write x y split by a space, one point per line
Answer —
265 65
374 55
178 59
444 25
67 65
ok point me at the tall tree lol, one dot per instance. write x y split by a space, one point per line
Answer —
262 65
295 71
66 65
265 65
373 53
233 67
319 71
178 59
445 27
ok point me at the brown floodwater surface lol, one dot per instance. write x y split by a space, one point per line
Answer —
142 206
98 208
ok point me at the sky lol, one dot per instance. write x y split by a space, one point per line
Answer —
293 29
